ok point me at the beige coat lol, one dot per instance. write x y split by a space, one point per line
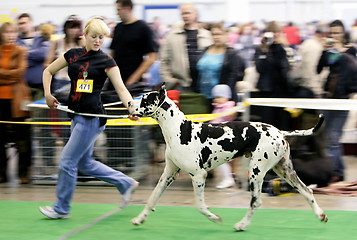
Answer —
15 77
310 51
174 57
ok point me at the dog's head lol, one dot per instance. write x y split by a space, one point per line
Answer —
149 103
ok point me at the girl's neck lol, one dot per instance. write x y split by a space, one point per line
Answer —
217 49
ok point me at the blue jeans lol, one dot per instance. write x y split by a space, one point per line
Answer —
77 155
335 120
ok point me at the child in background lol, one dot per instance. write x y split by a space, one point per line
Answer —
222 94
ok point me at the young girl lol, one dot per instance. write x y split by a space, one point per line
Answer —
222 94
88 69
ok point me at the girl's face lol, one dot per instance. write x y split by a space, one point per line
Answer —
220 100
9 36
219 36
73 33
94 41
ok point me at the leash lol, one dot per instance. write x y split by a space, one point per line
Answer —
65 109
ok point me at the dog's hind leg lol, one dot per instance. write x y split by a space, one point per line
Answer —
285 170
198 183
168 176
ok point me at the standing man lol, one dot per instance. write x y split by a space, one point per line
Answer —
37 49
181 49
133 46
341 83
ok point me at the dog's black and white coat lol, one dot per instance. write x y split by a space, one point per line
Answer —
199 147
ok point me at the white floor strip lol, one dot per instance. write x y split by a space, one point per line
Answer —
89 224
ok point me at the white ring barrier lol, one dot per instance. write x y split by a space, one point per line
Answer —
305 103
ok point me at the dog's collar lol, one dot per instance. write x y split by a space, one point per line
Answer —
158 107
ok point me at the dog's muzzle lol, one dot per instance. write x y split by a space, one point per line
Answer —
133 108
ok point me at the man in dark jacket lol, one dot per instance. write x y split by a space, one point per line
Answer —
341 83
273 66
37 49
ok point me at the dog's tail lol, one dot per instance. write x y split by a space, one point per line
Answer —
308 131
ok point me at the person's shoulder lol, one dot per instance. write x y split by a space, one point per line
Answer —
142 24
75 51
202 32
103 54
231 50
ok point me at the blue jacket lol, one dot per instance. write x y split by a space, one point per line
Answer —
36 56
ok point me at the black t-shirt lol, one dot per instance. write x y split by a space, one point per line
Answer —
193 54
130 43
91 66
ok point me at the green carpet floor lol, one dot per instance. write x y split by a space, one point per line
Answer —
22 220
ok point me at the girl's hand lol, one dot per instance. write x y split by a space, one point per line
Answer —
52 102
133 118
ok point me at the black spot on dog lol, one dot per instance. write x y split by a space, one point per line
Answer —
186 132
205 152
256 171
251 187
239 144
254 199
150 99
172 113
210 131
228 144
266 155
265 127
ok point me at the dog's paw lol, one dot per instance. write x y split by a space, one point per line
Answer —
137 221
215 218
323 217
240 227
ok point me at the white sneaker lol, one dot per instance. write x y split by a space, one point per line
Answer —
226 183
49 212
127 195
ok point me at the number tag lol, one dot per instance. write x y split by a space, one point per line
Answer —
84 86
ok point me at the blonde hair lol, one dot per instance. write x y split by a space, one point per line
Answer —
46 30
98 26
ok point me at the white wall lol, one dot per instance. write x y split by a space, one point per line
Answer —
298 11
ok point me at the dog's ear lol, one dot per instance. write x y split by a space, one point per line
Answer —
162 91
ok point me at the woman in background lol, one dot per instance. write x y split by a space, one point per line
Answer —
219 64
73 38
14 95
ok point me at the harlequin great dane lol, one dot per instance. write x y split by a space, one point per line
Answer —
199 147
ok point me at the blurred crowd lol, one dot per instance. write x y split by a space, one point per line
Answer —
266 59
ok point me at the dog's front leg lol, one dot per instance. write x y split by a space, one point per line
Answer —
168 176
198 183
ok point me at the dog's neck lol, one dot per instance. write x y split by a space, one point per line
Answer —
169 117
